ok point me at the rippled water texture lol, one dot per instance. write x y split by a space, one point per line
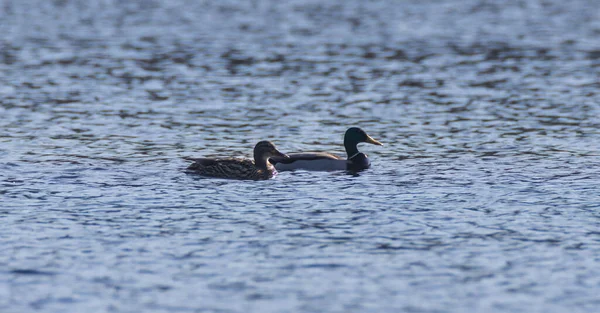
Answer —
484 198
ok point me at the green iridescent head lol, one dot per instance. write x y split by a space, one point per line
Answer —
353 137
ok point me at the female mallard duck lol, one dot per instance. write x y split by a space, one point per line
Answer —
322 161
235 168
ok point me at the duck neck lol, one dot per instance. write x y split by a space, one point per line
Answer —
261 162
351 148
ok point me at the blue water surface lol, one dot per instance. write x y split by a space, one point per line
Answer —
484 198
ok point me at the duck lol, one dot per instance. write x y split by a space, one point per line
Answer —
237 168
324 161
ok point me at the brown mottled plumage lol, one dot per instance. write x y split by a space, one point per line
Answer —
235 168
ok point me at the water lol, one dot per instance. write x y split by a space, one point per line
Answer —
483 199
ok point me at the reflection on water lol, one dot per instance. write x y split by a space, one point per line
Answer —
484 197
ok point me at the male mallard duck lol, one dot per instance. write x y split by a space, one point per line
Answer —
235 168
322 161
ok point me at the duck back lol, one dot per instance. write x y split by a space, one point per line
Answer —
311 161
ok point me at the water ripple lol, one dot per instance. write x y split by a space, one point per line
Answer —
482 199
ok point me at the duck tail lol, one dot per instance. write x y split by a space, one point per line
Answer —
200 162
